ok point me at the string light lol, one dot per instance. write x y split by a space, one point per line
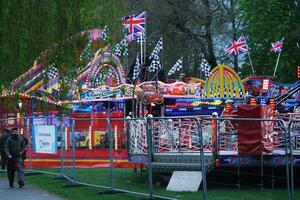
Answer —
90 137
116 138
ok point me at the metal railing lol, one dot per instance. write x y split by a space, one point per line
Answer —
145 138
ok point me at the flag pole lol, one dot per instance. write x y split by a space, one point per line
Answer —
251 63
145 45
141 48
250 59
162 53
162 59
133 90
277 63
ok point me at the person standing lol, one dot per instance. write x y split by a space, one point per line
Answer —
25 141
4 137
14 149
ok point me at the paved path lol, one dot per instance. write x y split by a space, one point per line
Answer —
28 192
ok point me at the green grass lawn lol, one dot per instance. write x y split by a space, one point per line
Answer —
135 181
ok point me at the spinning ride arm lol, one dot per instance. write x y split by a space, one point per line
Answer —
285 96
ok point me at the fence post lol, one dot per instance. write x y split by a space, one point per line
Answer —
291 160
73 147
149 152
62 145
111 163
286 135
29 143
203 169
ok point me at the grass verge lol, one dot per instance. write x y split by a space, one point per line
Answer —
127 179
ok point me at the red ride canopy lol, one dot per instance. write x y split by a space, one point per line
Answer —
254 137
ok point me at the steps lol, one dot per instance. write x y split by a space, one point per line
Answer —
167 162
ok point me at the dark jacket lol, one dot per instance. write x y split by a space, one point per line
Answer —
25 143
15 147
3 139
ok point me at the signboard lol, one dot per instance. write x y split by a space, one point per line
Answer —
45 139
185 181
104 92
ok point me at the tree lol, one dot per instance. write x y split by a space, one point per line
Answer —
229 27
268 21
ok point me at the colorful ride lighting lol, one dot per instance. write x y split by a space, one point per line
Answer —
298 73
252 101
116 138
272 102
228 106
66 138
90 137
265 86
190 142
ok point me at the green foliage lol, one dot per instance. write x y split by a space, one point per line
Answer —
30 27
268 21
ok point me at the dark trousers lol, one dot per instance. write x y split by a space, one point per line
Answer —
12 167
3 161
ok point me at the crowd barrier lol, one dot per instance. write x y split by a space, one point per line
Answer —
91 152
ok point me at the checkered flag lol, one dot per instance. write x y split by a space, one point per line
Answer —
104 34
205 67
121 48
52 72
98 80
117 50
125 52
87 52
142 39
137 68
157 49
155 64
124 44
176 67
110 73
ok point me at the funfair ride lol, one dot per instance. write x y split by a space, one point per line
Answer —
101 96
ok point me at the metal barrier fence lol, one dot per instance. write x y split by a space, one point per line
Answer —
201 143
251 166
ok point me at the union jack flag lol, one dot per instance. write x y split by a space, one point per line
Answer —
277 46
237 47
134 25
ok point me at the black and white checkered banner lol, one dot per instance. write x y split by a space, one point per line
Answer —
110 73
155 64
124 44
121 48
117 50
52 72
142 38
98 80
104 34
205 67
137 68
157 49
87 54
176 67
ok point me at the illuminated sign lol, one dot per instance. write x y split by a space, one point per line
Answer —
208 103
107 92
82 108
192 103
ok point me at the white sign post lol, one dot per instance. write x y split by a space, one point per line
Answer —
45 139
